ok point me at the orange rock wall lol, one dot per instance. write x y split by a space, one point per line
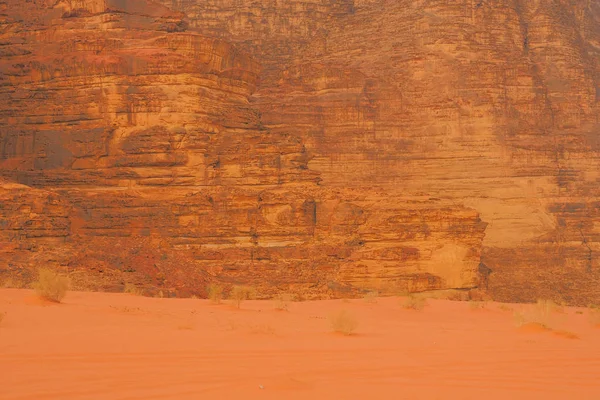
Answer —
493 105
308 146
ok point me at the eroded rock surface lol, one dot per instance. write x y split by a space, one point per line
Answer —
311 146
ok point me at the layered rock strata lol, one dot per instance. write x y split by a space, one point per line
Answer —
320 147
493 105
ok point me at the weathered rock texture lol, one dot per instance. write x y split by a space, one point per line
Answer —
313 146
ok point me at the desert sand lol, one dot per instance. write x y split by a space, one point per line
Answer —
120 346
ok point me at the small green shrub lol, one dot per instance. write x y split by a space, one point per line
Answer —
51 285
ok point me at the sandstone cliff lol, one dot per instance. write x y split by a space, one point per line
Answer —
313 146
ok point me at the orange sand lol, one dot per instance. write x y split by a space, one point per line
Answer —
117 346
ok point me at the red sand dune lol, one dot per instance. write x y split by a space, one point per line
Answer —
116 346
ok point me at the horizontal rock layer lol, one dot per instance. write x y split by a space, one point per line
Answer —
307 146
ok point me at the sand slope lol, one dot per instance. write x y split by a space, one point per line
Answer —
117 346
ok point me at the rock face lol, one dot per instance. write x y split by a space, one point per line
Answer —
313 146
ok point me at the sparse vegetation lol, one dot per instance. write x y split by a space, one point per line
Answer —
282 301
594 316
477 305
371 296
478 295
414 302
343 322
1 316
540 314
87 281
12 282
51 285
548 307
215 293
457 295
132 289
504 307
240 293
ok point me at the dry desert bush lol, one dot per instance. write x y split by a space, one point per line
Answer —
132 289
457 295
85 281
343 322
549 306
11 283
282 301
240 293
51 285
215 293
478 295
504 307
371 296
414 302
541 314
477 305
594 315
1 316
544 314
